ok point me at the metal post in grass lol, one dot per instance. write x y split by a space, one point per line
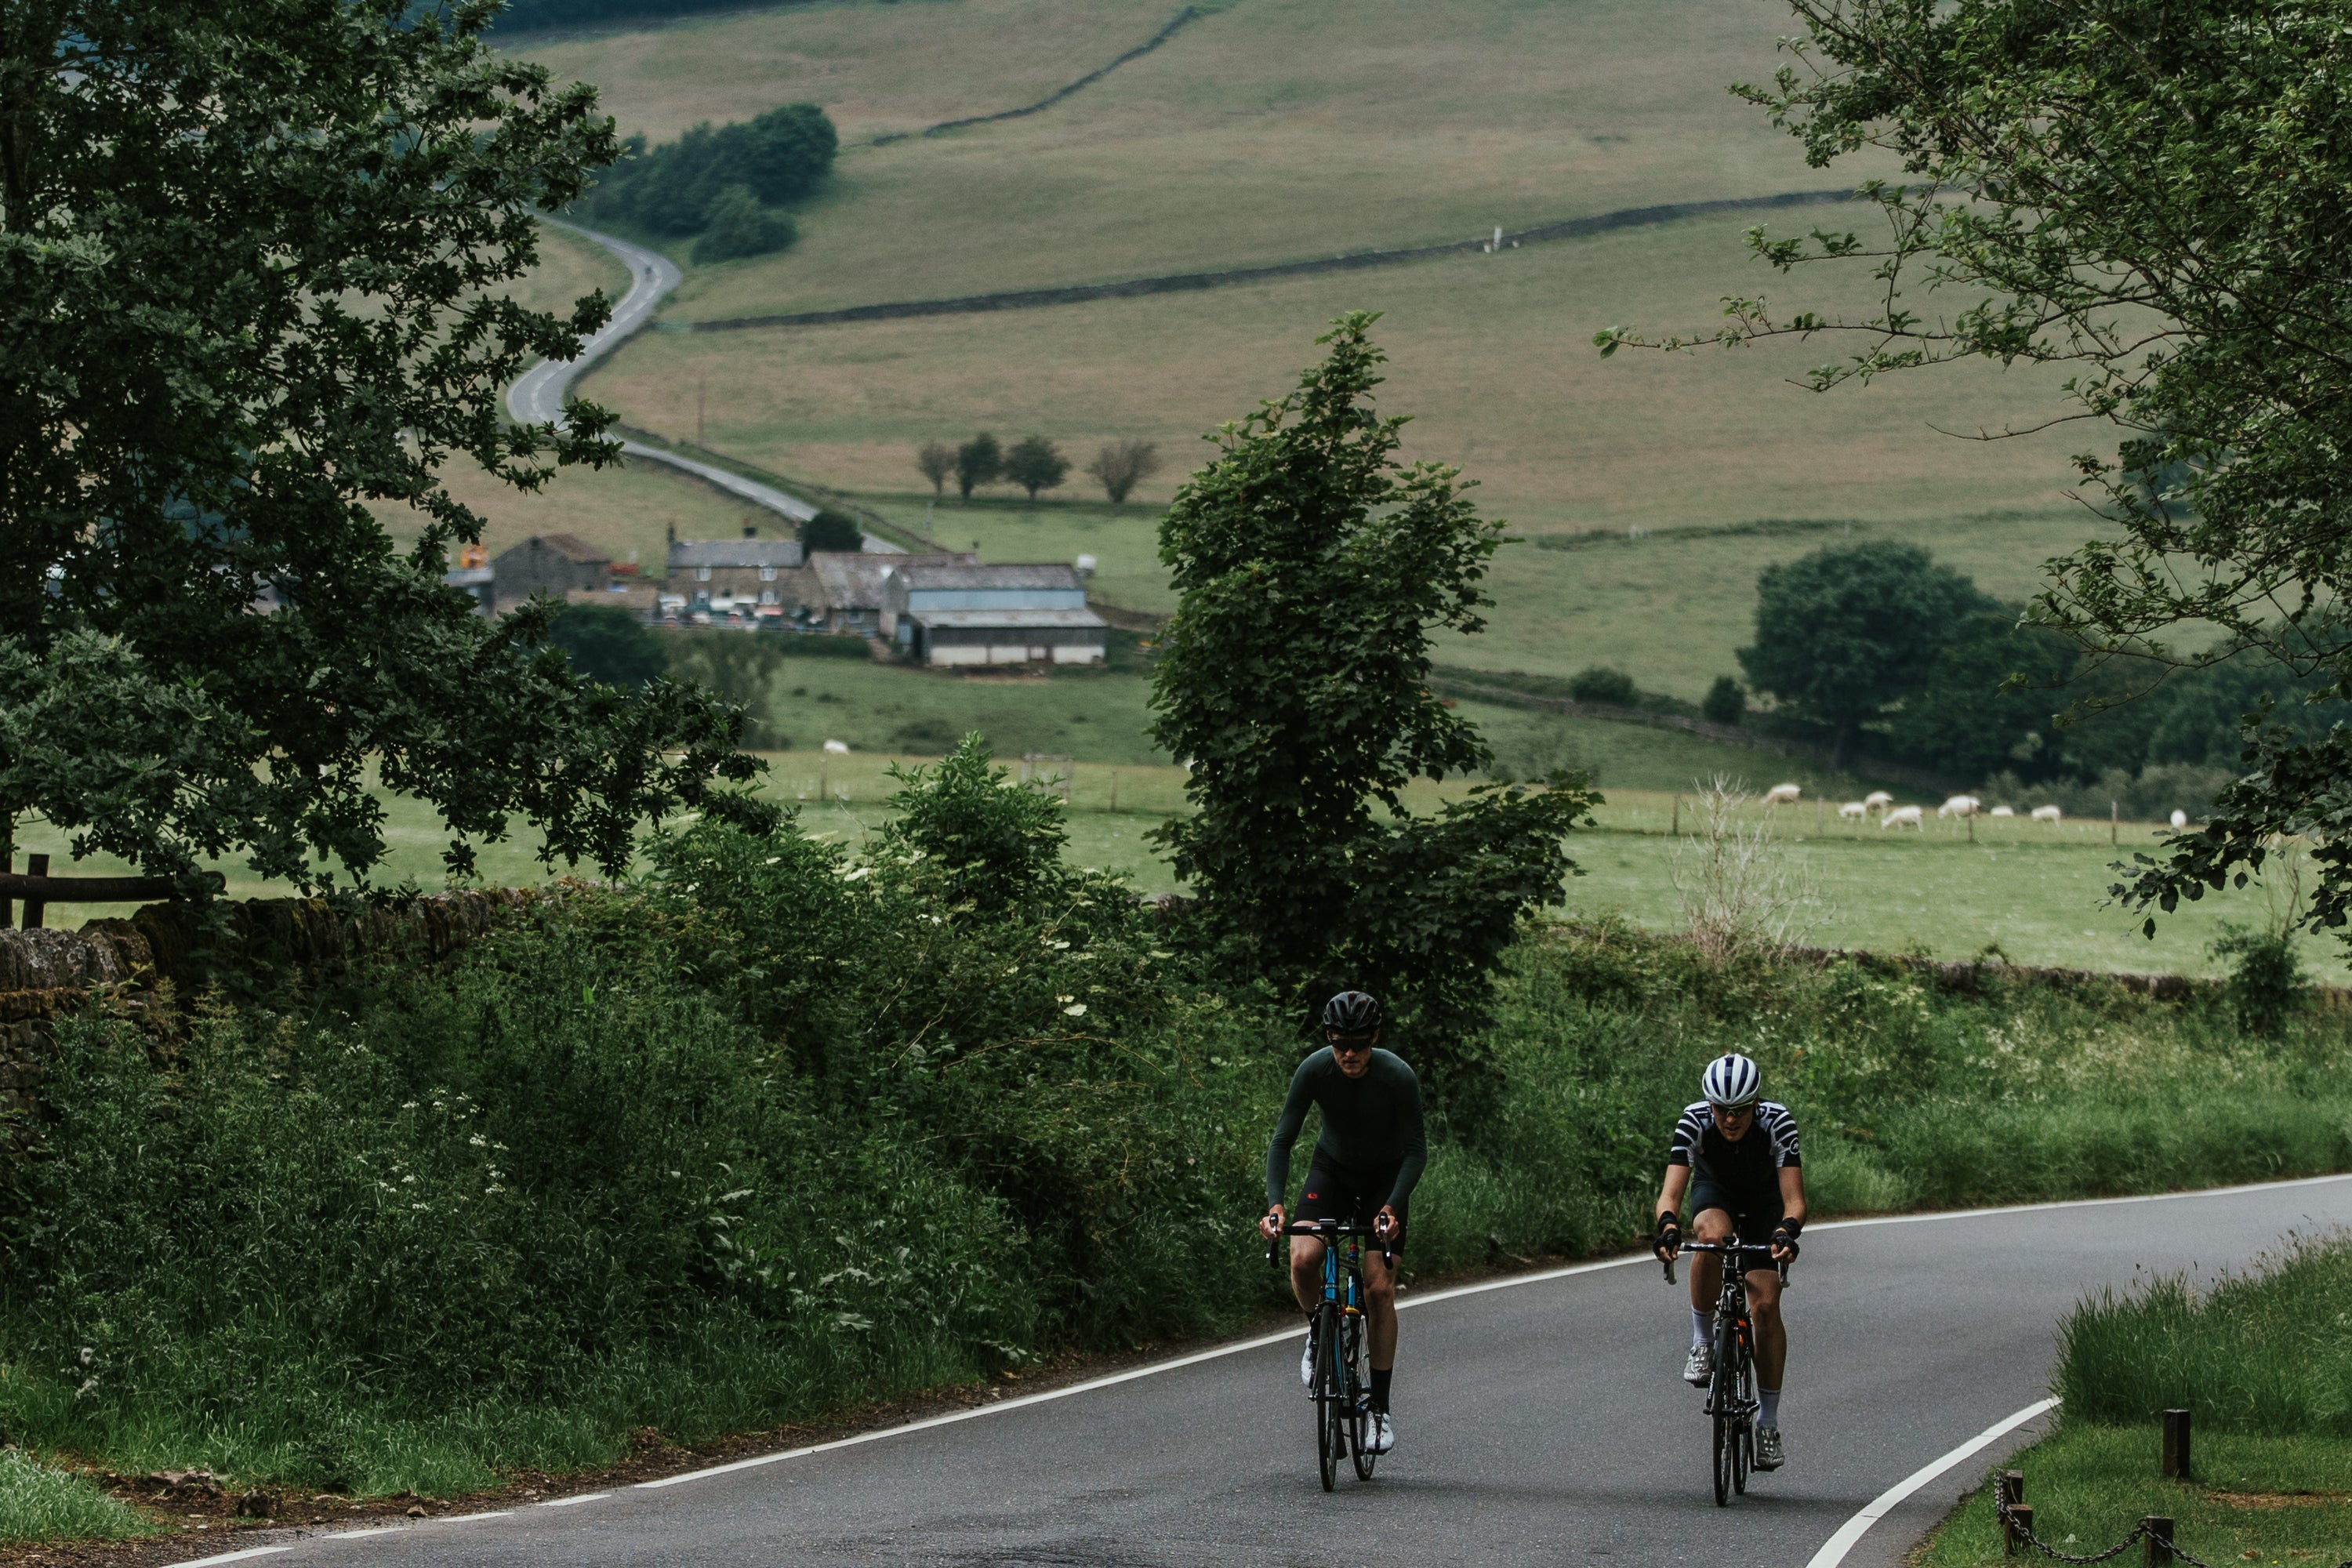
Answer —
1114 791
2175 1445
2158 1540
2016 1524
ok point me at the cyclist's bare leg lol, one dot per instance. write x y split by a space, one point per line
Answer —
1771 1333
1307 1270
1379 1308
1707 1267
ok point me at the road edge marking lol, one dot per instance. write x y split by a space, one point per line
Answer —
1835 1549
1434 1297
233 1556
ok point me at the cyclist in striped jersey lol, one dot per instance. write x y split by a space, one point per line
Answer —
1736 1156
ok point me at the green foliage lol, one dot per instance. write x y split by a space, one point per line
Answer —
727 175
1598 683
223 359
2064 171
2261 1351
991 842
2266 980
607 643
830 530
1294 678
1842 633
1725 703
979 461
1963 716
936 461
737 226
39 1503
1035 464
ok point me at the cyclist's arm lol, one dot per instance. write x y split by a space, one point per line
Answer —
1285 1133
1792 1192
1677 1183
1417 1150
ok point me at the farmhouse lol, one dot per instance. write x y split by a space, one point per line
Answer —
971 614
735 573
555 565
844 589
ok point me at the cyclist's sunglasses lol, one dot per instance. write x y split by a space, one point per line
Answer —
1736 1111
1350 1045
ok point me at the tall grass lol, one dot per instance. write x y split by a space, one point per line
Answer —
2266 1352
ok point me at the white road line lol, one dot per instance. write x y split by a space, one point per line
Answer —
1835 1549
470 1518
356 1534
568 1501
233 1556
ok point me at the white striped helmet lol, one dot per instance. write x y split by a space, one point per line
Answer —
1731 1079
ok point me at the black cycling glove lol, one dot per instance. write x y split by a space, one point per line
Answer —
1785 1235
1670 1232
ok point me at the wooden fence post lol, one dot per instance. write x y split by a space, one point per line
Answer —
1113 789
2018 1523
2012 1486
2160 1541
2175 1445
1677 830
2111 824
8 866
34 865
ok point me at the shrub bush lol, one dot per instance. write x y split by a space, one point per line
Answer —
1725 702
1598 683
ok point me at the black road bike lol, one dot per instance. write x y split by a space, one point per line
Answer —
1731 1394
1343 1414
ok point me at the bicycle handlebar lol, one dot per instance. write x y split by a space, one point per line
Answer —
1331 1230
1722 1247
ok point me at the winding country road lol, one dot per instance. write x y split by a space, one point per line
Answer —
537 398
1540 1421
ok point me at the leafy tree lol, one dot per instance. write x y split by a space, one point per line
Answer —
1120 466
739 227
607 643
253 283
683 187
1035 464
1313 567
979 461
2151 195
936 460
1725 702
1598 683
1986 702
995 844
1844 631
829 530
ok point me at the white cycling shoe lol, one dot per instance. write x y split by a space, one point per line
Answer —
1379 1432
1769 1455
1306 1363
1700 1368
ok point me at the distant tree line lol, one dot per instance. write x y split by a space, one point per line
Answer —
1877 645
726 186
1033 464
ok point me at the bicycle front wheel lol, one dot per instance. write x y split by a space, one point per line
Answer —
1743 1452
1330 1411
1724 1402
1359 1416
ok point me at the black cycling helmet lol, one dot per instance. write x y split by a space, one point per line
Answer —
1351 1013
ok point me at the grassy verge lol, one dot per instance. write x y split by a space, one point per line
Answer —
38 1502
2264 1364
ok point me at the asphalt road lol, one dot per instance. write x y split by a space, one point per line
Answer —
1538 1421
537 398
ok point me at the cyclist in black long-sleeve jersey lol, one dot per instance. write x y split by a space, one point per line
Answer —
1362 1172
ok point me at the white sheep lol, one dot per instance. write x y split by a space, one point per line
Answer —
2179 820
2049 814
1960 806
1902 816
1782 794
2000 811
1878 800
1852 811
838 748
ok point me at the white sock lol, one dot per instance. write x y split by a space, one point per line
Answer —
1767 1401
1702 1328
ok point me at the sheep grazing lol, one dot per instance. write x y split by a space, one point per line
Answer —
1960 806
2049 814
1852 811
2000 811
838 748
1782 794
1904 816
2179 820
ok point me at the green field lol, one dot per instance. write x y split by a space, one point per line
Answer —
1250 137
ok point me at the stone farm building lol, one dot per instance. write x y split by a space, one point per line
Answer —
845 588
556 564
749 574
968 614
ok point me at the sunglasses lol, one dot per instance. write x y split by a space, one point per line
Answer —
1734 1112
1349 1048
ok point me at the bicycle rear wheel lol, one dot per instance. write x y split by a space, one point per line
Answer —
1331 1437
1360 1418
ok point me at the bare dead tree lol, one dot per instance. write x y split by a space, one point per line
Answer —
1120 466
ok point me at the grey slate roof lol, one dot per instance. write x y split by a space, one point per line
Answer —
689 554
1012 574
852 580
1004 620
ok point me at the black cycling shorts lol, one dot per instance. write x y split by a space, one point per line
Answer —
1352 1198
1754 1215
